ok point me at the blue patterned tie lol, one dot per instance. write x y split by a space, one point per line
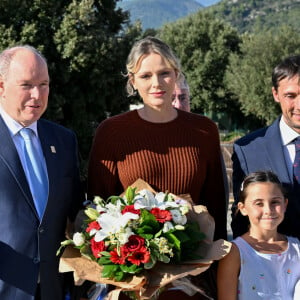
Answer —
38 180
296 165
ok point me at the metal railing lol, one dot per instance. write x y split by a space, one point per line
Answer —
227 149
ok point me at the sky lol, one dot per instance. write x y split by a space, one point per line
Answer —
207 2
203 2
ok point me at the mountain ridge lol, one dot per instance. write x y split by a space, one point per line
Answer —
155 13
244 15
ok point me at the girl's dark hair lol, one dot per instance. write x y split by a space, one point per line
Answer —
259 177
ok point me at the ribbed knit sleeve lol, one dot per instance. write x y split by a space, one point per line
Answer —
181 156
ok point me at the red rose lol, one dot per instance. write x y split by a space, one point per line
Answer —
116 258
131 209
161 215
135 243
93 225
140 256
97 247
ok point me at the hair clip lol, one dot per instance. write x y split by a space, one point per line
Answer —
242 186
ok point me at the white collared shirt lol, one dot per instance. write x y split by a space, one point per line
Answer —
14 127
287 136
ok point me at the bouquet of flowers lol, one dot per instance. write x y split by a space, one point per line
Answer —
127 236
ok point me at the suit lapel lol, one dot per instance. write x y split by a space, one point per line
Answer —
273 145
10 157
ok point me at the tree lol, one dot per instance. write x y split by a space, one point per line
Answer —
246 15
249 73
93 42
203 45
86 43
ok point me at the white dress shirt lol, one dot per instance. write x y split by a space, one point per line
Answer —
14 127
288 136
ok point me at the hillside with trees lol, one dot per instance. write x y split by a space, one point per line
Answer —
250 15
229 72
245 15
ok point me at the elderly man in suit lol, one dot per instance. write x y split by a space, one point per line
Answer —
181 94
274 148
33 214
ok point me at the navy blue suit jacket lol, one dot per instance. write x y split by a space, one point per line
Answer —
263 150
27 246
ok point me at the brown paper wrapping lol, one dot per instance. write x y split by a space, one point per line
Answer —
147 283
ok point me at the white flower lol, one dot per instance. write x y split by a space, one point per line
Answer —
178 218
160 198
98 200
167 226
99 204
93 232
184 209
113 223
114 209
179 227
124 235
163 246
146 199
100 209
78 239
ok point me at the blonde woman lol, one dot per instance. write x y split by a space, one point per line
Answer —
172 150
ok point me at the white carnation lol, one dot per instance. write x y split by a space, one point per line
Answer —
78 239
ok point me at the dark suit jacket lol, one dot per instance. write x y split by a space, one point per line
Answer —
263 150
27 246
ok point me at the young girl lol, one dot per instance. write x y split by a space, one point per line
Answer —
262 263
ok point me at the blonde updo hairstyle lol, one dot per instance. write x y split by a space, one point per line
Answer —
144 47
